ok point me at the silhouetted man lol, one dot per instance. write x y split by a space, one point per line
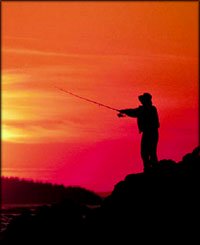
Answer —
148 124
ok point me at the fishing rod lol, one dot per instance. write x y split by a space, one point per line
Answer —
86 99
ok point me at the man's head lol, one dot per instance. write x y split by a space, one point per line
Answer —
145 98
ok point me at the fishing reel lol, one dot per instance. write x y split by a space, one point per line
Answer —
120 115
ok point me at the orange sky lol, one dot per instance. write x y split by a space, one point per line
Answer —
107 51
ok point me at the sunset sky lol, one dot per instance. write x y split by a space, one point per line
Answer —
110 52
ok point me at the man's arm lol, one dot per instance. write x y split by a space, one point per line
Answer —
129 112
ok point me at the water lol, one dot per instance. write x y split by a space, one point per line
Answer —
10 211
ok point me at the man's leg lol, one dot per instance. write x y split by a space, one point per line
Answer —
145 152
153 149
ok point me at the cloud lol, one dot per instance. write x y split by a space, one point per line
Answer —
39 133
28 124
19 38
100 56
23 51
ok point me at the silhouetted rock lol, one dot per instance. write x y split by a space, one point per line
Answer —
159 206
162 202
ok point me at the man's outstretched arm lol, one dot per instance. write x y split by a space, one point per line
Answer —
129 112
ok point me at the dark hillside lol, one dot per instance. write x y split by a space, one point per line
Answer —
19 191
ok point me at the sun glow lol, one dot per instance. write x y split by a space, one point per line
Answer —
12 134
7 134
